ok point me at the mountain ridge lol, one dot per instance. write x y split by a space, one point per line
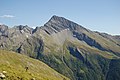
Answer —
67 47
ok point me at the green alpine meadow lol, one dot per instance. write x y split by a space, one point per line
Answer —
13 66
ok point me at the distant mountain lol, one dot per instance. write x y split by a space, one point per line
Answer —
67 47
14 64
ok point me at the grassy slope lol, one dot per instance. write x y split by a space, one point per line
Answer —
15 64
104 42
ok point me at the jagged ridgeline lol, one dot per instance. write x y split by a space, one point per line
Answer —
69 48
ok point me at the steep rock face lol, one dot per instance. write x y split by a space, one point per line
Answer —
88 40
21 40
20 30
32 47
67 47
57 24
3 28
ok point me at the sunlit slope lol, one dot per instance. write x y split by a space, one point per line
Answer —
14 64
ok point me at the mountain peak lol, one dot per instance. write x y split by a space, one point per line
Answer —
54 17
20 27
56 24
23 28
57 18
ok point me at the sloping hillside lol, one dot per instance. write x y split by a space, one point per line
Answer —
14 64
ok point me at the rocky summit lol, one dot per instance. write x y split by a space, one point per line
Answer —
67 47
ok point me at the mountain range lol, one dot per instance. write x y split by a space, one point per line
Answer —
67 47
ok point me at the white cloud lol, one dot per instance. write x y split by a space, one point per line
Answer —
7 16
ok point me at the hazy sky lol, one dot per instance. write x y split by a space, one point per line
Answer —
99 15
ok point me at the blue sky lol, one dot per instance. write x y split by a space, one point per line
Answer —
97 15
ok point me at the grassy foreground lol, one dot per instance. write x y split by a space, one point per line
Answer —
14 64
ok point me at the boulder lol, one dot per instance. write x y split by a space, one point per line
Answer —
2 76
